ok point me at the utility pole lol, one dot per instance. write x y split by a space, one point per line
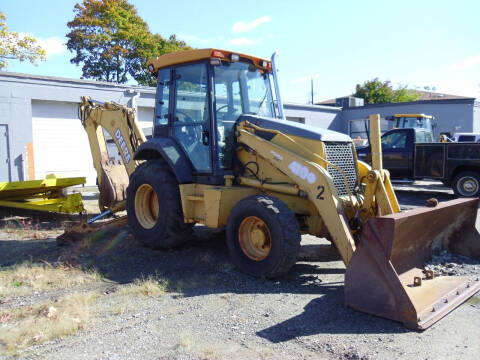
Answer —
311 83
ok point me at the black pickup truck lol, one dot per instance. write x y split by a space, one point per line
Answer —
411 154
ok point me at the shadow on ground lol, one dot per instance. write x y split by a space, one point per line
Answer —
201 267
315 320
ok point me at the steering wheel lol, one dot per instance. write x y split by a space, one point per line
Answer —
221 108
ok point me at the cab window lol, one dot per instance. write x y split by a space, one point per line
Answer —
163 94
191 118
397 140
240 88
423 137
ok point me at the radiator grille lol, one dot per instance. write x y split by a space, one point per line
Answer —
341 154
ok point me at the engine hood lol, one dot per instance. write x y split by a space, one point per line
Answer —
296 129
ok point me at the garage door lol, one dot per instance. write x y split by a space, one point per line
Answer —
60 144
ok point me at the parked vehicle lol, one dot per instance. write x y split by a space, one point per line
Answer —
411 154
402 121
466 137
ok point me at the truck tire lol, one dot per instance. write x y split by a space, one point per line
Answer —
263 236
467 184
154 208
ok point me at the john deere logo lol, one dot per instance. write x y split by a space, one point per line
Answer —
123 146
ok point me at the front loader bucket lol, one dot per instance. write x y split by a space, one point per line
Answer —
385 275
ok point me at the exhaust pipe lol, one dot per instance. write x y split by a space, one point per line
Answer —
281 114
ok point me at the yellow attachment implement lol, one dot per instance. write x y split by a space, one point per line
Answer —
42 195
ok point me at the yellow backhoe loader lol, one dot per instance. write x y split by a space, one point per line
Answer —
222 155
219 157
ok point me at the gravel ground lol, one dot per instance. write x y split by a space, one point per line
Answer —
448 264
213 311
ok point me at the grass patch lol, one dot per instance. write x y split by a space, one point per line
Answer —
185 341
27 326
119 309
150 286
209 353
29 277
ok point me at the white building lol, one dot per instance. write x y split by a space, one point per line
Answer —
42 132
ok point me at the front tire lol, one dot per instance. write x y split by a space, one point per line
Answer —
154 207
467 184
263 236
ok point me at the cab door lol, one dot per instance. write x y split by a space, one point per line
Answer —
162 101
397 153
191 114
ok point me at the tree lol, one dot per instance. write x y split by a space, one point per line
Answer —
112 42
402 94
155 46
105 36
376 92
13 46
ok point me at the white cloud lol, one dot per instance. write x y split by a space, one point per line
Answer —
467 63
52 45
241 26
244 41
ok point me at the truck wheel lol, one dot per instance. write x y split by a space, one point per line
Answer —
154 208
467 184
263 236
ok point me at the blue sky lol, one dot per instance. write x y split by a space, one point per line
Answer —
337 43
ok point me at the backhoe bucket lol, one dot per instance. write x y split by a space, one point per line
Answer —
385 276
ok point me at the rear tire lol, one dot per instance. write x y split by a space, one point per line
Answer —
154 207
467 184
263 236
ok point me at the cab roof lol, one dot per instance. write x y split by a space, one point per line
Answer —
186 56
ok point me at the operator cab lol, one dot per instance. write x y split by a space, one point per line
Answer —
200 96
416 121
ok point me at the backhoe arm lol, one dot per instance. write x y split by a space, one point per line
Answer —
119 121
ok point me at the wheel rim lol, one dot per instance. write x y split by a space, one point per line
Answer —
254 238
468 186
146 206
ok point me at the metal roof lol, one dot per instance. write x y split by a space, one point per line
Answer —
185 56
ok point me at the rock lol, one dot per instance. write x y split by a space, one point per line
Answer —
51 312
